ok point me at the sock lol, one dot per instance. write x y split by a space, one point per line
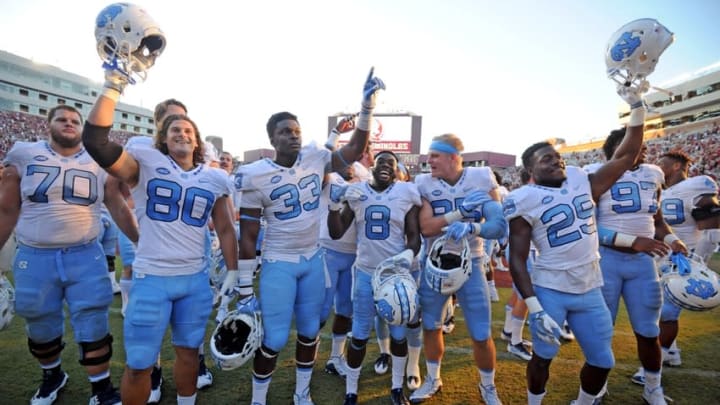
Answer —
351 380
111 275
260 390
338 345
302 380
516 330
433 369
54 365
398 371
487 377
186 400
584 398
535 399
652 379
413 360
125 285
384 345
673 346
100 382
507 327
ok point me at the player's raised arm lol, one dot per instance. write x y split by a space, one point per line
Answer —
357 145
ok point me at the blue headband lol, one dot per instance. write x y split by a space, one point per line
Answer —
444 147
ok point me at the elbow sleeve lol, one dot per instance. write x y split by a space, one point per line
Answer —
98 144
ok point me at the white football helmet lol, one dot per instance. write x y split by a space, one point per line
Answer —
448 265
7 302
634 50
236 339
128 39
395 291
689 283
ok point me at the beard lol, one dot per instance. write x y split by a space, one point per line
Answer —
63 141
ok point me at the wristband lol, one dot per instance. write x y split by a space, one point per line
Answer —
246 267
533 304
476 228
670 238
637 117
624 240
332 139
453 216
112 94
364 118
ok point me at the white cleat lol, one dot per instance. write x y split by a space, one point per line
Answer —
489 394
429 388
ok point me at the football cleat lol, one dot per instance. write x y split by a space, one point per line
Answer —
110 396
156 381
412 382
489 394
654 397
336 366
205 377
381 364
397 397
303 398
350 399
520 351
449 326
429 388
49 388
671 358
639 377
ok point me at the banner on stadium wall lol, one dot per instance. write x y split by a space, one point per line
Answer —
388 133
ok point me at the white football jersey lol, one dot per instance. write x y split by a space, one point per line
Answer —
173 208
290 200
563 231
678 201
444 197
380 222
348 242
61 197
630 204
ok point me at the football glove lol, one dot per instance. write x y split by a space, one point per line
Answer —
370 90
459 230
633 95
337 198
353 194
248 305
228 286
546 328
115 77
475 200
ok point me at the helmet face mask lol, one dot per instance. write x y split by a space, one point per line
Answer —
634 50
395 292
236 339
690 284
128 39
7 302
448 265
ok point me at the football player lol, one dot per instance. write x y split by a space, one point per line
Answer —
385 214
175 195
690 206
451 194
287 191
54 191
557 214
632 230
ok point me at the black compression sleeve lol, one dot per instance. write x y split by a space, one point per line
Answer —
98 144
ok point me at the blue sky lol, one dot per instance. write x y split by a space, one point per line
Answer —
502 75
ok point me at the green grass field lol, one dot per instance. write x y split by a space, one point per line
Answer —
697 381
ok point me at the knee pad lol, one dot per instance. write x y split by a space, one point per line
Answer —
358 344
87 347
306 349
46 350
266 358
110 263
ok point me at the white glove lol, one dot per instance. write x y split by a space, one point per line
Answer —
337 197
633 95
545 327
248 305
228 286
353 194
459 230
